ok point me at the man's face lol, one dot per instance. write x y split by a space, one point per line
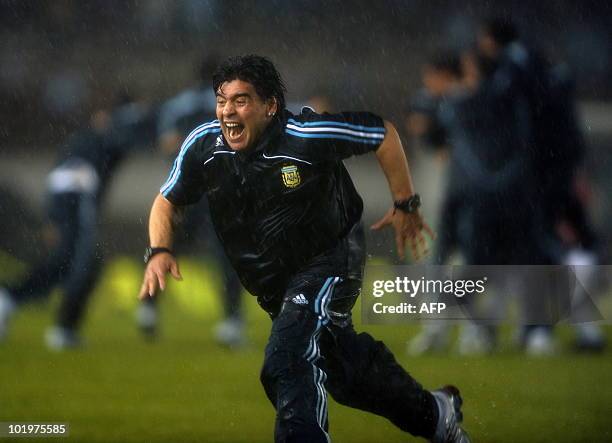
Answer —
243 114
487 46
437 82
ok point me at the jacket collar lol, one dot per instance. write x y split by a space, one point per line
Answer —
268 138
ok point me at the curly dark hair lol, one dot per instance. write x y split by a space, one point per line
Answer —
447 61
256 70
501 29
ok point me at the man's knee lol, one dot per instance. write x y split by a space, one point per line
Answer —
358 365
282 364
273 368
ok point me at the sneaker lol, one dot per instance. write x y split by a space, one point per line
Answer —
475 340
146 319
432 338
230 333
589 338
540 342
450 415
7 307
60 339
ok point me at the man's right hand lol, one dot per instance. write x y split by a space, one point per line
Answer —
155 274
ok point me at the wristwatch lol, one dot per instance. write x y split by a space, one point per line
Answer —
409 205
150 252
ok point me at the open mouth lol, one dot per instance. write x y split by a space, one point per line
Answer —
234 131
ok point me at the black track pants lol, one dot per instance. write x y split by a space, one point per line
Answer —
73 263
314 349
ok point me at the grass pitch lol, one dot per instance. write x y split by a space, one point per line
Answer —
184 388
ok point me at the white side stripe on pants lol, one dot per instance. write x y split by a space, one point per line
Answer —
313 352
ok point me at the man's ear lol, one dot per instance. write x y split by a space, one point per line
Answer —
272 107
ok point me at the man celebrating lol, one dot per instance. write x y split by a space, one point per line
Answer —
289 218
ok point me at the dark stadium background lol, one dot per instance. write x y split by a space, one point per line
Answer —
361 54
59 60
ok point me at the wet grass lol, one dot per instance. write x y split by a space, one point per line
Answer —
184 388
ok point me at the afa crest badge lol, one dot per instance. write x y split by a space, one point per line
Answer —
291 176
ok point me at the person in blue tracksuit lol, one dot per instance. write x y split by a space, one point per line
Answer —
76 188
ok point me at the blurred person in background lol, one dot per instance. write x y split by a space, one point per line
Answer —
76 188
289 217
177 117
317 100
568 188
558 150
489 213
442 77
320 103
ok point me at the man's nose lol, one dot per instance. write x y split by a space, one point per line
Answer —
228 109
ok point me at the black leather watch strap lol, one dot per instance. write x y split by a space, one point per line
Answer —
409 205
150 252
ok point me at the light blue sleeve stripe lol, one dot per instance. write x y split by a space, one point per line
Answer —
378 129
335 137
176 167
186 142
176 170
172 171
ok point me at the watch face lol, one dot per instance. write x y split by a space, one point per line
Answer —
410 205
147 255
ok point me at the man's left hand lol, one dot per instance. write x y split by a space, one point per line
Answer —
408 227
